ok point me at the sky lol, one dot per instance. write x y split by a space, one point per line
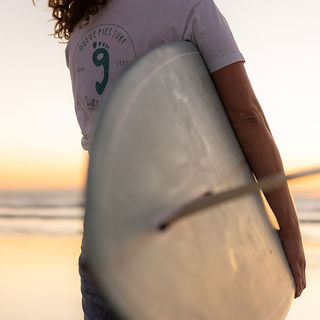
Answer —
40 137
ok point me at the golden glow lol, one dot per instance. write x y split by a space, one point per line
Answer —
40 140
35 173
306 187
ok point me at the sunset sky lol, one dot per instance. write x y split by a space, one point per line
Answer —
40 140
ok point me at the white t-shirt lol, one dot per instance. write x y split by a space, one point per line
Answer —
124 30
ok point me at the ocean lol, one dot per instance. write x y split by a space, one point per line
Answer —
41 212
61 213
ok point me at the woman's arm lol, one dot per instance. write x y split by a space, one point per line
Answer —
257 143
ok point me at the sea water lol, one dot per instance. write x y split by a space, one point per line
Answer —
41 212
61 213
308 210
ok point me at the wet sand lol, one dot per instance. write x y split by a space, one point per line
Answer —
39 280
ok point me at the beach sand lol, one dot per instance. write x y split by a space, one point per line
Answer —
39 280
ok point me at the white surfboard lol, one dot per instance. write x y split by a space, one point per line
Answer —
163 140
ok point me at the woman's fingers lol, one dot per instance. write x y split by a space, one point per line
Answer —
298 271
303 268
297 275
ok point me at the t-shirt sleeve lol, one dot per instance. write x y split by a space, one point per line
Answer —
209 31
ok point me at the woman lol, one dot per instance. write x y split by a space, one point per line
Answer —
107 35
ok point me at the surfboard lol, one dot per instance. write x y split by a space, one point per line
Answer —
163 140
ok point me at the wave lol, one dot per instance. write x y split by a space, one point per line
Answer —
61 212
308 204
4 206
60 198
41 217
309 221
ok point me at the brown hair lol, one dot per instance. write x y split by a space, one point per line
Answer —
68 13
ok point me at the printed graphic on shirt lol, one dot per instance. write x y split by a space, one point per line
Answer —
101 54
101 58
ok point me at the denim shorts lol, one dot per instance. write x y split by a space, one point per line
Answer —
95 306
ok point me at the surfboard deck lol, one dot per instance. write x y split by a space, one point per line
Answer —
163 140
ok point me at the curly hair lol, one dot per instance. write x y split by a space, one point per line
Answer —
68 13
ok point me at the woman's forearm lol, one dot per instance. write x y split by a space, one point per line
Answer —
264 159
257 143
254 135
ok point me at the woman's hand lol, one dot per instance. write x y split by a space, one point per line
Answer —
293 248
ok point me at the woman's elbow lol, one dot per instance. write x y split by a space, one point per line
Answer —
247 117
